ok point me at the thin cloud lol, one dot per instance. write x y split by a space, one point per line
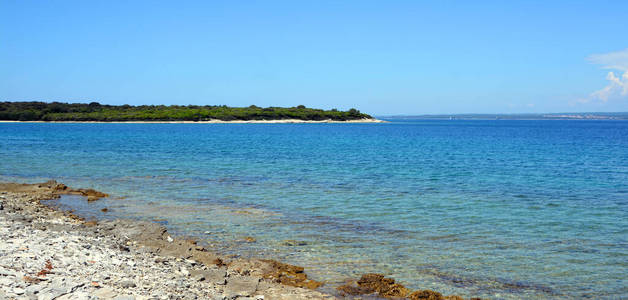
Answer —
617 87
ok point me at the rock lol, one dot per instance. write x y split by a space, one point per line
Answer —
50 293
19 291
91 194
350 289
287 274
170 240
215 276
241 286
7 272
250 239
127 284
293 243
126 297
66 297
426 295
33 289
375 283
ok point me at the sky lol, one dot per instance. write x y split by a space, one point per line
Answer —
381 57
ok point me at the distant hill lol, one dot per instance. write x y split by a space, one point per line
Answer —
56 111
549 116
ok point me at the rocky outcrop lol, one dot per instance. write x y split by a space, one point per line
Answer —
289 275
91 194
375 283
51 190
274 271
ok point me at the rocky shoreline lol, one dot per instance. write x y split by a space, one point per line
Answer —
51 254
48 254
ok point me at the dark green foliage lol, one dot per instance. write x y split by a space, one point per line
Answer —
94 111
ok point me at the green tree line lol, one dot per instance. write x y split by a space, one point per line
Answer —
94 111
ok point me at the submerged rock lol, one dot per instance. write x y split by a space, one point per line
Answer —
426 295
293 243
386 287
91 194
289 275
383 286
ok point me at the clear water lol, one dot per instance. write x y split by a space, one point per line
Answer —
499 209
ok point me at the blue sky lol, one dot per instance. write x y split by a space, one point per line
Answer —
382 57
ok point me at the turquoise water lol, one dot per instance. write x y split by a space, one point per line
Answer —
499 209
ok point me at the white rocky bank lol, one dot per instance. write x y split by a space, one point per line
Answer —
47 255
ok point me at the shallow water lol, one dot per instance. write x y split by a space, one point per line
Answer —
499 209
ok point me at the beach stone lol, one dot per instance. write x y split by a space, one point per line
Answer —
212 275
127 283
48 294
33 289
66 297
104 293
6 272
241 286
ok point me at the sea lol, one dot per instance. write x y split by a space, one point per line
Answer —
501 209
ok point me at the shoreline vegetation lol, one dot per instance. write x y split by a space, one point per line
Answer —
54 253
96 112
284 121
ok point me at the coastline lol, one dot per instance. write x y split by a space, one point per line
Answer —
48 253
283 121
52 254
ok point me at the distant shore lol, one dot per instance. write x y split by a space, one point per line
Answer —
94 111
282 121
